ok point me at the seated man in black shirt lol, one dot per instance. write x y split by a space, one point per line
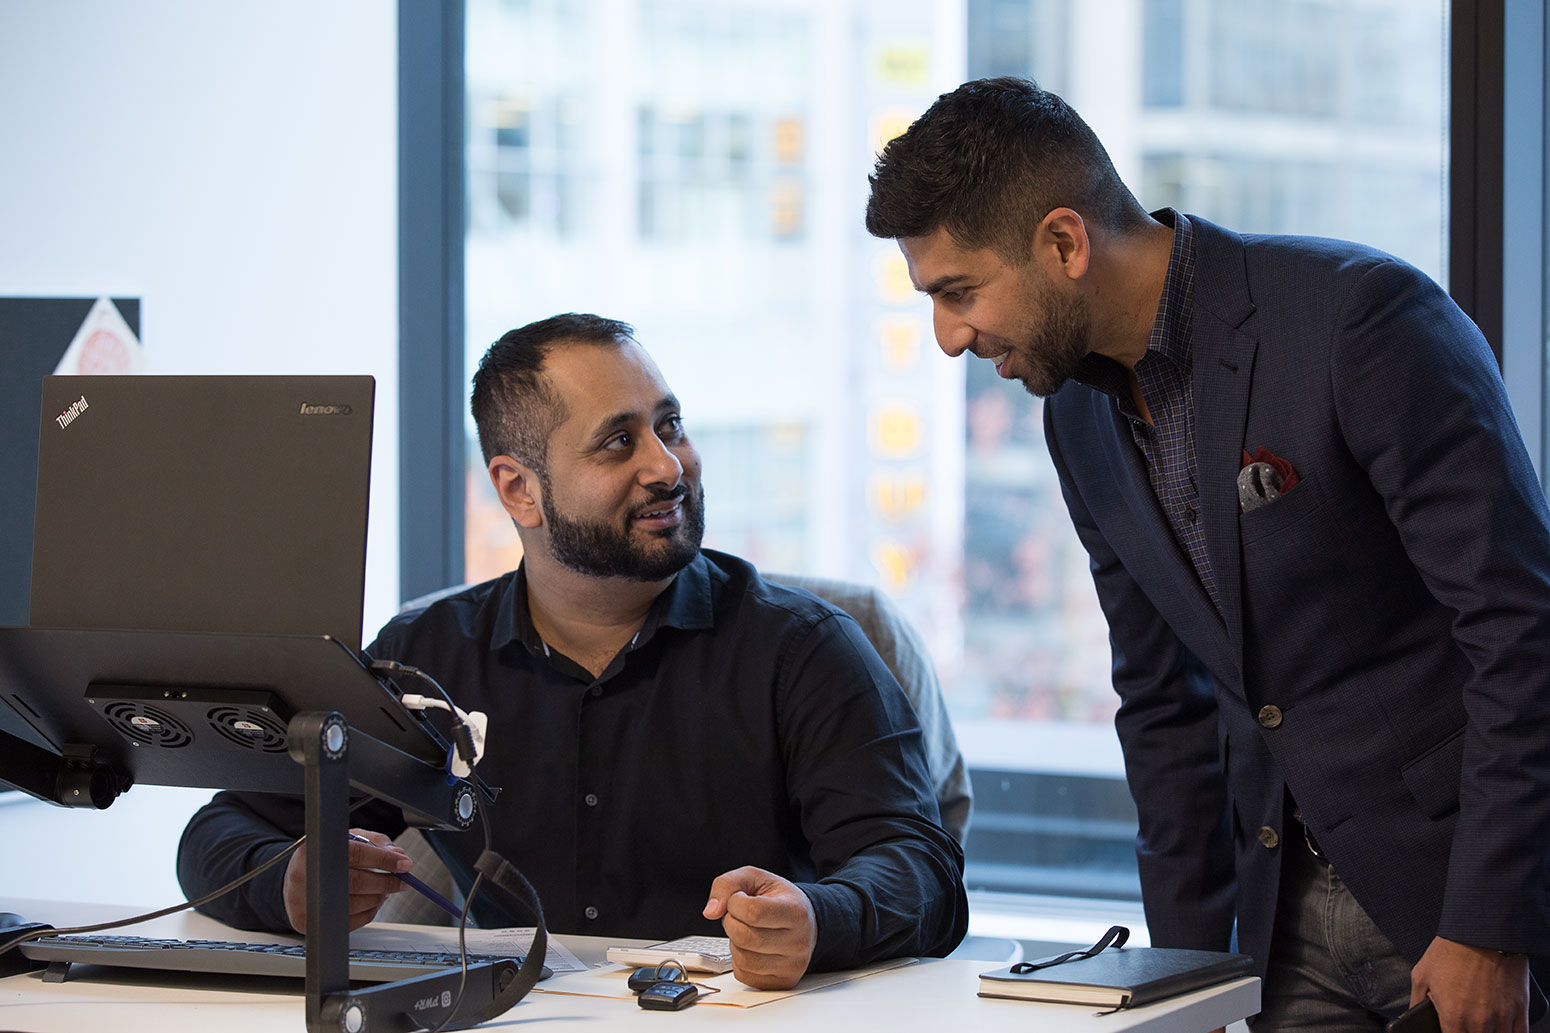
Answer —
683 747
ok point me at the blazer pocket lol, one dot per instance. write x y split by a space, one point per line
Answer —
1433 777
1270 521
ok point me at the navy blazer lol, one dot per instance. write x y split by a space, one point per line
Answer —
1383 647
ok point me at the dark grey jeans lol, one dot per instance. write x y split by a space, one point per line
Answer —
1331 970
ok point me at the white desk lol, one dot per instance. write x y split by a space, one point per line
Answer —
929 997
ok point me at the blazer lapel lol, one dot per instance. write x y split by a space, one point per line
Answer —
1222 374
1222 357
1162 568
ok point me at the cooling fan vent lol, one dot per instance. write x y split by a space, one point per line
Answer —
147 725
249 727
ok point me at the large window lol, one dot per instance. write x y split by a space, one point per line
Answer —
698 168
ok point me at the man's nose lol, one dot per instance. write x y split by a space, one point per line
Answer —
953 335
661 465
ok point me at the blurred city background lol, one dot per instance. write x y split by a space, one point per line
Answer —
699 168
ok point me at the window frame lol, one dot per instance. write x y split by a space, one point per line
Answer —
431 221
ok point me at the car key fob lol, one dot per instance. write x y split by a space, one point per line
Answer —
651 975
668 996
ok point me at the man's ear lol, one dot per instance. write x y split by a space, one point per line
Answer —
1061 244
519 491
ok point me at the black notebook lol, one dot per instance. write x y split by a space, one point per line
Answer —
1119 977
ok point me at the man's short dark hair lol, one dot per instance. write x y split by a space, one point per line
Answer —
514 407
988 162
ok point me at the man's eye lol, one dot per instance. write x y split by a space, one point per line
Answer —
618 441
672 426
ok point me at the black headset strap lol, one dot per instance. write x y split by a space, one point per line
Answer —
498 870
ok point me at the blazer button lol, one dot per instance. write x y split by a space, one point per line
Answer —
1268 838
1270 717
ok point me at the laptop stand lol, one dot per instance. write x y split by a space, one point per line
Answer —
88 691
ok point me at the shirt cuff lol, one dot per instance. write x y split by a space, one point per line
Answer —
837 912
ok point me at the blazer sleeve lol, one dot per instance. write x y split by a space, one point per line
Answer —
1167 724
1422 408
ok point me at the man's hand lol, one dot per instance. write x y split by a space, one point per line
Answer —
770 923
369 883
1475 990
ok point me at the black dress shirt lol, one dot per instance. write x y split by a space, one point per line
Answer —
746 724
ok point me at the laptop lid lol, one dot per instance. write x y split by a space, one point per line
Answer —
203 503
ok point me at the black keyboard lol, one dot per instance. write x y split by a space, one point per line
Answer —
224 956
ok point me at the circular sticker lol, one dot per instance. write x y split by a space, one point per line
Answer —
104 352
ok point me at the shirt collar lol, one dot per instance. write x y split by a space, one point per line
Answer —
1169 337
1170 330
687 602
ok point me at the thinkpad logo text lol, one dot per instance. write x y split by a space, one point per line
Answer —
73 410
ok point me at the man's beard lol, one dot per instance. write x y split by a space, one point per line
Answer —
601 549
1053 351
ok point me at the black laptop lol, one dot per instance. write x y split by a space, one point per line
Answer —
198 573
203 503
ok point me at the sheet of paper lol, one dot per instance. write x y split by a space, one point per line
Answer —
103 344
610 981
395 936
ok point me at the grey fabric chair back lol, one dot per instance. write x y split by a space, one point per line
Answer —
904 651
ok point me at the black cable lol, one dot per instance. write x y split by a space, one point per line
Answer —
462 735
462 931
463 740
240 880
394 667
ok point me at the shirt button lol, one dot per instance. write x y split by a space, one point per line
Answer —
1268 838
591 913
1190 515
596 690
1270 717
591 799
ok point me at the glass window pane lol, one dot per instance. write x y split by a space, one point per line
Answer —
699 168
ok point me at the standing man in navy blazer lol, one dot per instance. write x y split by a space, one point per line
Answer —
1320 546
